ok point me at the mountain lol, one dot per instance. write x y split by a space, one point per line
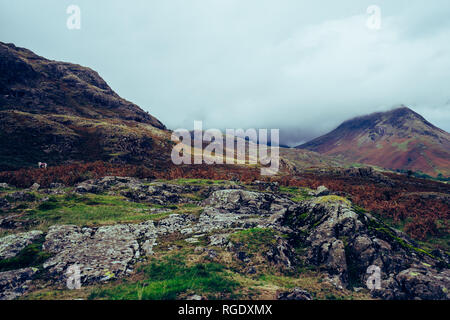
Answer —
58 112
398 139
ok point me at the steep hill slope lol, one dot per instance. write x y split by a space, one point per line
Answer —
58 112
397 139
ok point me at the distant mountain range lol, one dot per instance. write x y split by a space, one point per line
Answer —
59 113
397 139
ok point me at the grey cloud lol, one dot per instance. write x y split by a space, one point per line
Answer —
300 66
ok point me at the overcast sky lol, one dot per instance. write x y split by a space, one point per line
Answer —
301 66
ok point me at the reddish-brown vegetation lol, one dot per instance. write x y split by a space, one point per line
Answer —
422 206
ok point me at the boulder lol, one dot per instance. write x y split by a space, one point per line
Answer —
319 192
35 187
109 250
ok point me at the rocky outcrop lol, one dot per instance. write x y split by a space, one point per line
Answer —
242 201
100 253
325 232
346 243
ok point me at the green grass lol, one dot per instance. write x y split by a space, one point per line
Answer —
332 199
299 194
254 240
170 277
291 190
196 181
30 256
401 146
90 210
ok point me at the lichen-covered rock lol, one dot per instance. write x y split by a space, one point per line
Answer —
14 284
241 201
295 294
346 244
417 282
85 187
266 186
11 245
320 192
97 251
35 186
159 193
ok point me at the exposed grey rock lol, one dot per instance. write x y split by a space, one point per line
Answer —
175 222
195 297
11 245
22 196
57 185
14 284
241 201
35 187
158 193
281 254
85 187
417 282
109 250
4 185
295 294
320 192
219 240
266 186
4 204
342 242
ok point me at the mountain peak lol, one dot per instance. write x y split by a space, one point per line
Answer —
396 139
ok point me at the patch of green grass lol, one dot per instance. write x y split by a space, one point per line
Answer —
299 194
254 240
30 256
90 210
168 278
280 281
302 195
291 190
401 146
333 199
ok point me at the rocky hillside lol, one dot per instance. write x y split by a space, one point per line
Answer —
58 112
397 139
203 239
